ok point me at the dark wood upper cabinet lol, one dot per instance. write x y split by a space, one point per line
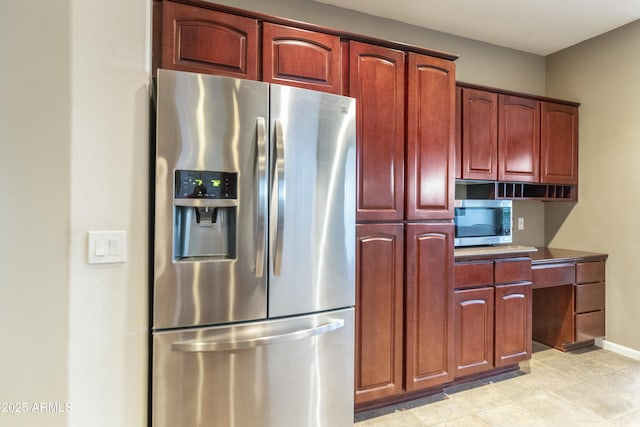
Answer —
518 139
430 138
479 134
377 81
206 41
379 311
559 144
301 58
429 305
458 154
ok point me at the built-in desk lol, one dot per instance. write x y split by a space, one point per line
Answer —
568 297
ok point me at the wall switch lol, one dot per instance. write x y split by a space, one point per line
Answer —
520 223
107 247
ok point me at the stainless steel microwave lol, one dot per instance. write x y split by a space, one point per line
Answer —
482 222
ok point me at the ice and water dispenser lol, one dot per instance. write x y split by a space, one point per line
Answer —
205 205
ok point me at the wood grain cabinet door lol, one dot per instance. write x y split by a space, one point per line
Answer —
430 138
377 78
302 58
479 134
518 139
429 305
512 324
473 345
559 144
206 41
379 311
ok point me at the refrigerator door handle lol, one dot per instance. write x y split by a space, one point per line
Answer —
199 346
279 181
261 178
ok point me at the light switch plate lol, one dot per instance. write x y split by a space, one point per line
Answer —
107 247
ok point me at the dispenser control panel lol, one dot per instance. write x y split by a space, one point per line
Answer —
206 185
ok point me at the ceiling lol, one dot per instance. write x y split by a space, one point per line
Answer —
541 27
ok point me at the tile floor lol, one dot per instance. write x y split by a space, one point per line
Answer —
588 387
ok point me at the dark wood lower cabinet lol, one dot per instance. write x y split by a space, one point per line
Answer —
379 311
492 314
404 328
512 323
429 305
569 303
473 330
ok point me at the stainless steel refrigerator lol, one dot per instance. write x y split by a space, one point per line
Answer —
254 254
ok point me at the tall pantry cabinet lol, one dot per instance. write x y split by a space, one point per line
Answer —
406 108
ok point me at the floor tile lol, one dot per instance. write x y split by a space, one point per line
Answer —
588 387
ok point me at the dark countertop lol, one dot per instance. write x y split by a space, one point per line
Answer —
539 255
554 255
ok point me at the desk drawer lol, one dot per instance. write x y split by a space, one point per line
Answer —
472 274
589 325
553 275
512 270
590 297
589 272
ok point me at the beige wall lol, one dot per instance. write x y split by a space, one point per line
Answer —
603 74
35 129
479 63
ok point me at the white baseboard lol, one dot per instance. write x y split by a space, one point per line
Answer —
617 348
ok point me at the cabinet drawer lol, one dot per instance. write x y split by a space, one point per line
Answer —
588 272
590 297
473 274
553 275
512 270
589 325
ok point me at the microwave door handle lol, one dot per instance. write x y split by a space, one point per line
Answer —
280 193
201 346
261 194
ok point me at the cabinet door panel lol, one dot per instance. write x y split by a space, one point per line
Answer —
479 134
205 41
518 139
429 305
559 144
473 346
377 82
301 58
430 138
512 324
379 325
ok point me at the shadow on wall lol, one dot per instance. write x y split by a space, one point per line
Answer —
556 213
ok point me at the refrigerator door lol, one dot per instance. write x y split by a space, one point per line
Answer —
278 373
210 254
312 201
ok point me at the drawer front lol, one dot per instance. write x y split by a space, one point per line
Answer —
589 325
473 274
512 270
589 272
553 275
590 297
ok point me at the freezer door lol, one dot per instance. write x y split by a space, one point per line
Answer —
279 373
210 254
312 200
